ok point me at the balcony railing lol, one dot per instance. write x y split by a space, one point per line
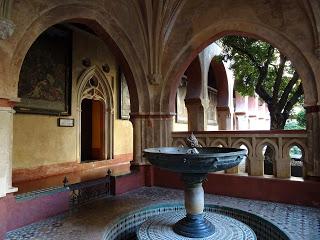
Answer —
280 143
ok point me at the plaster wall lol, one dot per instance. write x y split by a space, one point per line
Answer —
179 127
241 103
38 141
123 137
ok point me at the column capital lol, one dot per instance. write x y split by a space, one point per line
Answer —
7 103
223 109
240 113
150 129
6 28
196 101
312 109
155 115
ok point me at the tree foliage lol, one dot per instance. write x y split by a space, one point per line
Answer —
301 119
259 68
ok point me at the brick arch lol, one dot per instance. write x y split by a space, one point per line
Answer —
231 27
105 27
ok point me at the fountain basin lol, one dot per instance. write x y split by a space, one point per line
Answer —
194 164
209 159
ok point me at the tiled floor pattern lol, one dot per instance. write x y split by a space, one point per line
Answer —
226 228
90 221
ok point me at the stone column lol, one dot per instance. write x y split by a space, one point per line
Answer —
312 166
224 118
6 136
150 130
197 114
255 165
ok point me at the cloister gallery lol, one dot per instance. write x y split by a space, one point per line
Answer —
87 85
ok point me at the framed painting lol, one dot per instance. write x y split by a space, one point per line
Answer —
124 111
45 76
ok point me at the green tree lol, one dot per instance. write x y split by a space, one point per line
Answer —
260 68
301 119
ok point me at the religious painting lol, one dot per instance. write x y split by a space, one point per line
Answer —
181 110
45 76
124 98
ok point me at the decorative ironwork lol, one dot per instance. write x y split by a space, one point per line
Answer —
84 192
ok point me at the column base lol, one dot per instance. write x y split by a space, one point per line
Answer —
194 226
12 190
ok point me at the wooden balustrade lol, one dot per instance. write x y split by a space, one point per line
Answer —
280 142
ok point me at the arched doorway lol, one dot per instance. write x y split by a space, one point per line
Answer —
120 45
96 116
92 130
92 88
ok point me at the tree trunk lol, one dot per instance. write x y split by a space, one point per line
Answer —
277 120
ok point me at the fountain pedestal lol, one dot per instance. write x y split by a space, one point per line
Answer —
194 224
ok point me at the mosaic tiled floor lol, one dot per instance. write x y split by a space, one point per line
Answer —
226 228
90 221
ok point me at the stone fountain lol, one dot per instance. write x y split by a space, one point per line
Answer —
194 163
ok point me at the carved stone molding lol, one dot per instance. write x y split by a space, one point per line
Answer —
155 78
156 19
312 109
281 141
94 84
6 25
6 28
312 8
317 52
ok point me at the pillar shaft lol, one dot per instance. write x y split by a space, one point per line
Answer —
194 199
150 130
224 118
197 114
312 165
6 136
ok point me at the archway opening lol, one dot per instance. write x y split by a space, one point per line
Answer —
244 84
297 156
266 84
92 130
72 114
244 164
269 160
212 100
